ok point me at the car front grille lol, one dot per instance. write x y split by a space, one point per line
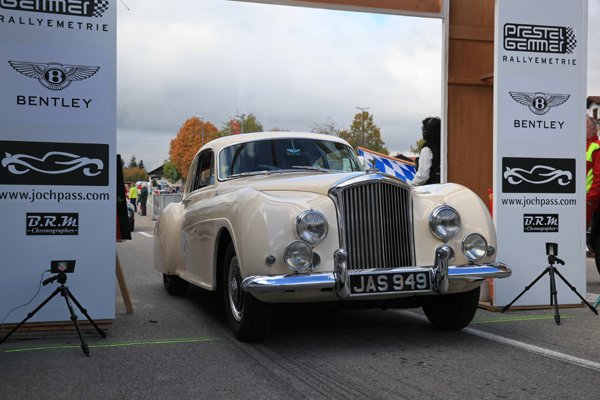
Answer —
376 224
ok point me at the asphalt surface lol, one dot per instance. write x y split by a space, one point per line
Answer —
181 348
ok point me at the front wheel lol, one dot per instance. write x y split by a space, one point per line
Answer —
174 285
249 318
452 311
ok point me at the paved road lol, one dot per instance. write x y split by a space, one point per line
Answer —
181 348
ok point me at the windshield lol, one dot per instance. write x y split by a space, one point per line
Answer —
274 155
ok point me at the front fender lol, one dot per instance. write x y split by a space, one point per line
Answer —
474 215
167 239
264 223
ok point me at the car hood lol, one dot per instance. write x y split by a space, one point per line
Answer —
298 182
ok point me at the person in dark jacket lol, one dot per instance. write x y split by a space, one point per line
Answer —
143 198
428 163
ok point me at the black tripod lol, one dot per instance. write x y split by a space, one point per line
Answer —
66 294
551 270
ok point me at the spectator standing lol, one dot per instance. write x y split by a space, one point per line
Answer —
143 198
592 161
133 196
428 163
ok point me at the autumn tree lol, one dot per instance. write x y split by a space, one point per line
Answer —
364 133
187 142
134 174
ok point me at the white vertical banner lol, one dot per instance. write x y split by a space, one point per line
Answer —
539 145
57 154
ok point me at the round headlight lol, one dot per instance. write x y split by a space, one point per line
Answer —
298 256
444 222
474 246
312 226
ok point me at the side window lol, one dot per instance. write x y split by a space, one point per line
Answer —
204 171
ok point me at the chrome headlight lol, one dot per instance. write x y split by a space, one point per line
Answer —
312 226
298 256
444 222
474 246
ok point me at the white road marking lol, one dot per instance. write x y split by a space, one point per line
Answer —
556 355
146 234
581 362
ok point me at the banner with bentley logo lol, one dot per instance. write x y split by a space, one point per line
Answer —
57 153
539 144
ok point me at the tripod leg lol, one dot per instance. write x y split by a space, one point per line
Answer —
553 298
587 303
84 346
31 314
84 312
524 290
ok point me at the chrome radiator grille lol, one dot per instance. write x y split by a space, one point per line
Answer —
376 225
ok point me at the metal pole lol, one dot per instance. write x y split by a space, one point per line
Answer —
362 132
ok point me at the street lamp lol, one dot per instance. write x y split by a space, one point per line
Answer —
202 120
362 131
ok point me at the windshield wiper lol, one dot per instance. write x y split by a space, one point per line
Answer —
250 173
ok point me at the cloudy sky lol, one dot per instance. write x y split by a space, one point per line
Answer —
291 67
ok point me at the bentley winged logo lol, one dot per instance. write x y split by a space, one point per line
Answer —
538 175
52 163
539 103
53 75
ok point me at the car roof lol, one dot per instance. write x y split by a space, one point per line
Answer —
225 141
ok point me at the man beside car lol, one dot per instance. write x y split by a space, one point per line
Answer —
133 196
592 158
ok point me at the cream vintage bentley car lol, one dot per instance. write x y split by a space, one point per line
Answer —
285 217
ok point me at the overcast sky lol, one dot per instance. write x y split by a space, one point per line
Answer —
291 67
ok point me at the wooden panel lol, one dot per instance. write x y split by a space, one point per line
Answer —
470 144
470 94
381 6
470 59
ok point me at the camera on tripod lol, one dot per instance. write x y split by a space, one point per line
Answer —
552 253
60 267
551 270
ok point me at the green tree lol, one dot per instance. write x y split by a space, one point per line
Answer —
364 133
418 146
132 162
141 165
242 123
170 172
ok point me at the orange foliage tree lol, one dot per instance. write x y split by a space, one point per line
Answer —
187 142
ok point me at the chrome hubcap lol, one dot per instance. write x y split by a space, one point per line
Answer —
236 299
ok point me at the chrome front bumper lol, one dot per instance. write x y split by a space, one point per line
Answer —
440 273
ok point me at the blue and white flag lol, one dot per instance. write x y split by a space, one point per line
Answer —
388 165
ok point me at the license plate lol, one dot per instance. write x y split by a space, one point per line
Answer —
389 282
